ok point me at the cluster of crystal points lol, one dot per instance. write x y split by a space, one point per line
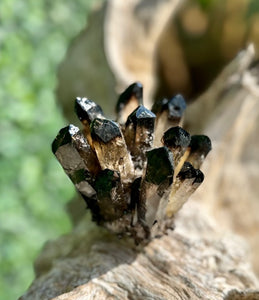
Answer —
137 172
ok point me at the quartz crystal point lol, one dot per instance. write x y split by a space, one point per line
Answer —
157 181
169 113
132 188
111 149
78 170
139 134
86 111
185 184
200 146
85 151
129 100
177 140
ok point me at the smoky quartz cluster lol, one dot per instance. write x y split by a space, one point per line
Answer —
137 172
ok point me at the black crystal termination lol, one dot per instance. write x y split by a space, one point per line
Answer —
187 172
169 114
135 90
143 117
176 137
177 140
200 144
87 110
174 106
63 137
104 130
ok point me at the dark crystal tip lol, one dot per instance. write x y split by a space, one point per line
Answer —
176 137
175 106
187 171
87 110
141 115
104 130
64 137
135 89
200 143
199 176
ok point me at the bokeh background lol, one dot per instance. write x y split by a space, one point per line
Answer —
49 55
34 36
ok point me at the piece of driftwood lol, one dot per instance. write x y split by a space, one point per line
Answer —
195 261
229 113
201 258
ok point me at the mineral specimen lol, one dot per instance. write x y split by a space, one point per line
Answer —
129 100
130 186
169 113
186 182
200 146
177 140
139 133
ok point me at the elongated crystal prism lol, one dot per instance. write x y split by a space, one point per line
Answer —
74 165
86 111
185 184
177 140
139 135
169 113
156 182
111 149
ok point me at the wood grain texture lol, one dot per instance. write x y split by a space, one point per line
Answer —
196 261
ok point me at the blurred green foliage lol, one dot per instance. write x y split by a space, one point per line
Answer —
34 36
205 4
253 8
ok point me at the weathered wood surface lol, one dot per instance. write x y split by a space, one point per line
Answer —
228 112
196 261
201 258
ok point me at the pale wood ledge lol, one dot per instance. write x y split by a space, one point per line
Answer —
196 261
